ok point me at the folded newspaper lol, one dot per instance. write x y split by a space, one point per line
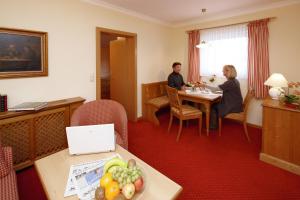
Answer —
84 178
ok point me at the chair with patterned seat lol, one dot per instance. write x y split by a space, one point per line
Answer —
240 117
103 112
182 112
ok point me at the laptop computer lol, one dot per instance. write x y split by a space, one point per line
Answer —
91 139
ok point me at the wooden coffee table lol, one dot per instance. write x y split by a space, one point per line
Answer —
53 171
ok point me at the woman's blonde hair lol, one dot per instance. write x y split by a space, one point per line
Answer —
232 71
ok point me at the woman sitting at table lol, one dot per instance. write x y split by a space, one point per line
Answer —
232 100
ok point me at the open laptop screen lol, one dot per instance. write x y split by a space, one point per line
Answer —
91 138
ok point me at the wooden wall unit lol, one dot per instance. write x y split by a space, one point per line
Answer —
281 136
36 134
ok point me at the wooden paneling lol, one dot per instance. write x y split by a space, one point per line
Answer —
281 133
35 134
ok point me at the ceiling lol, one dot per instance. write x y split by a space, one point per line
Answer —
180 12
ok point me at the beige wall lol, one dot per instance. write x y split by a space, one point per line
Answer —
71 26
284 46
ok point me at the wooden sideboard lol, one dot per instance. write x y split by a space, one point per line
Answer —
281 136
36 134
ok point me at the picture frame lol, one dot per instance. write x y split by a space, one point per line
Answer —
23 53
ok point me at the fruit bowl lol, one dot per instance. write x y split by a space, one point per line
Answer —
121 180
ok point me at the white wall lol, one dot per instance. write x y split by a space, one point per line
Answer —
71 27
284 46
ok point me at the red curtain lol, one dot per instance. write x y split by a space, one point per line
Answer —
193 56
258 57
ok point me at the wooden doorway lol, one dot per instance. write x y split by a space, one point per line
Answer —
116 68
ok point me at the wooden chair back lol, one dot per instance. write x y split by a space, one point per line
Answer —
248 98
173 97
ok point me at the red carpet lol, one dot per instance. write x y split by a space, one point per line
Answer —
213 167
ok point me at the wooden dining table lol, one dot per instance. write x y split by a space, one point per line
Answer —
206 99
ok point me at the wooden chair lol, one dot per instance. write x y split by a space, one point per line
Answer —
182 112
240 117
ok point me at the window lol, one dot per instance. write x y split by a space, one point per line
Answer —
224 45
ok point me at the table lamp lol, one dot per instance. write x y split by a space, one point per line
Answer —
276 81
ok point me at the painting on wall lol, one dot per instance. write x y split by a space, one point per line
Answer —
23 53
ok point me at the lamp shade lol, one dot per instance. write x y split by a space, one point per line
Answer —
276 80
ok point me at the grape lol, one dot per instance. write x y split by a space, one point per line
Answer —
136 177
120 179
126 175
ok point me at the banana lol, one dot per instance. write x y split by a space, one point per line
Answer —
112 168
113 162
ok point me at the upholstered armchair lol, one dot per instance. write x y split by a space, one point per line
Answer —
8 180
103 112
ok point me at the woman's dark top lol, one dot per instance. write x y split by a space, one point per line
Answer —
232 100
175 80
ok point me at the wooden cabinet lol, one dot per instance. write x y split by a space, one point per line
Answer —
36 134
281 136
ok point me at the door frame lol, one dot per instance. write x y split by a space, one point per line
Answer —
99 30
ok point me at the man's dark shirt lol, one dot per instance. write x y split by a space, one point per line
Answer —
175 80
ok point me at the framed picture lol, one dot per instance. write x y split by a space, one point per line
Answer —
23 53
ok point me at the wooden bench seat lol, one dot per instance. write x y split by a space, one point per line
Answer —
154 97
159 102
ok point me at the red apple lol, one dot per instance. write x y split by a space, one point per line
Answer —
139 183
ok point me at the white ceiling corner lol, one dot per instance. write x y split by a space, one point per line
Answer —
127 11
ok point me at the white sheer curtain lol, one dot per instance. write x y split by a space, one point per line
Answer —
224 45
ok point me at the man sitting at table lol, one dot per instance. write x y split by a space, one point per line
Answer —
175 79
232 100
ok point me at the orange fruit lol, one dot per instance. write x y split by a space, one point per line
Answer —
106 179
112 190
